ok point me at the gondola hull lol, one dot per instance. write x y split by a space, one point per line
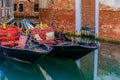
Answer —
72 52
22 54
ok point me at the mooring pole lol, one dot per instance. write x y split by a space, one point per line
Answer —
78 16
96 18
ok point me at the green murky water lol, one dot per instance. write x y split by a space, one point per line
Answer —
102 64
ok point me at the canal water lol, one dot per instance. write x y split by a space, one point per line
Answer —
101 64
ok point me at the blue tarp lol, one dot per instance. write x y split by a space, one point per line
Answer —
24 21
26 24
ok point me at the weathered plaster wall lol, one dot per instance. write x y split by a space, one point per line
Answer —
109 21
28 8
63 18
6 10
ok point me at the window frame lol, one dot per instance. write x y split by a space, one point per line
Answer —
15 7
36 8
19 7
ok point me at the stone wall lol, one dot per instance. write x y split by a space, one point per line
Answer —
28 10
61 17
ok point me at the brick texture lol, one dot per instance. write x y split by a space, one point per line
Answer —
63 18
109 25
28 8
88 13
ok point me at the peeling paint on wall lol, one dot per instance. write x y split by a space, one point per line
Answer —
109 19
112 4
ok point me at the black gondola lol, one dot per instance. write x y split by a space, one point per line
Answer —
26 55
75 51
71 50
19 46
67 49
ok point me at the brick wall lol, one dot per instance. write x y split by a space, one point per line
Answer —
109 25
28 8
88 13
64 15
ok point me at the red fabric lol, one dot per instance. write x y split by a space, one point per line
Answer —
11 43
42 34
10 33
49 42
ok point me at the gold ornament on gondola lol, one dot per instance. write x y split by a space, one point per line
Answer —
4 25
41 25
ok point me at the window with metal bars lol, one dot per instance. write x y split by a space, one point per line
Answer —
15 7
21 7
36 7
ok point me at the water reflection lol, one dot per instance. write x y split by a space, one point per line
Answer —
102 64
12 70
87 66
44 69
61 70
109 62
95 64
